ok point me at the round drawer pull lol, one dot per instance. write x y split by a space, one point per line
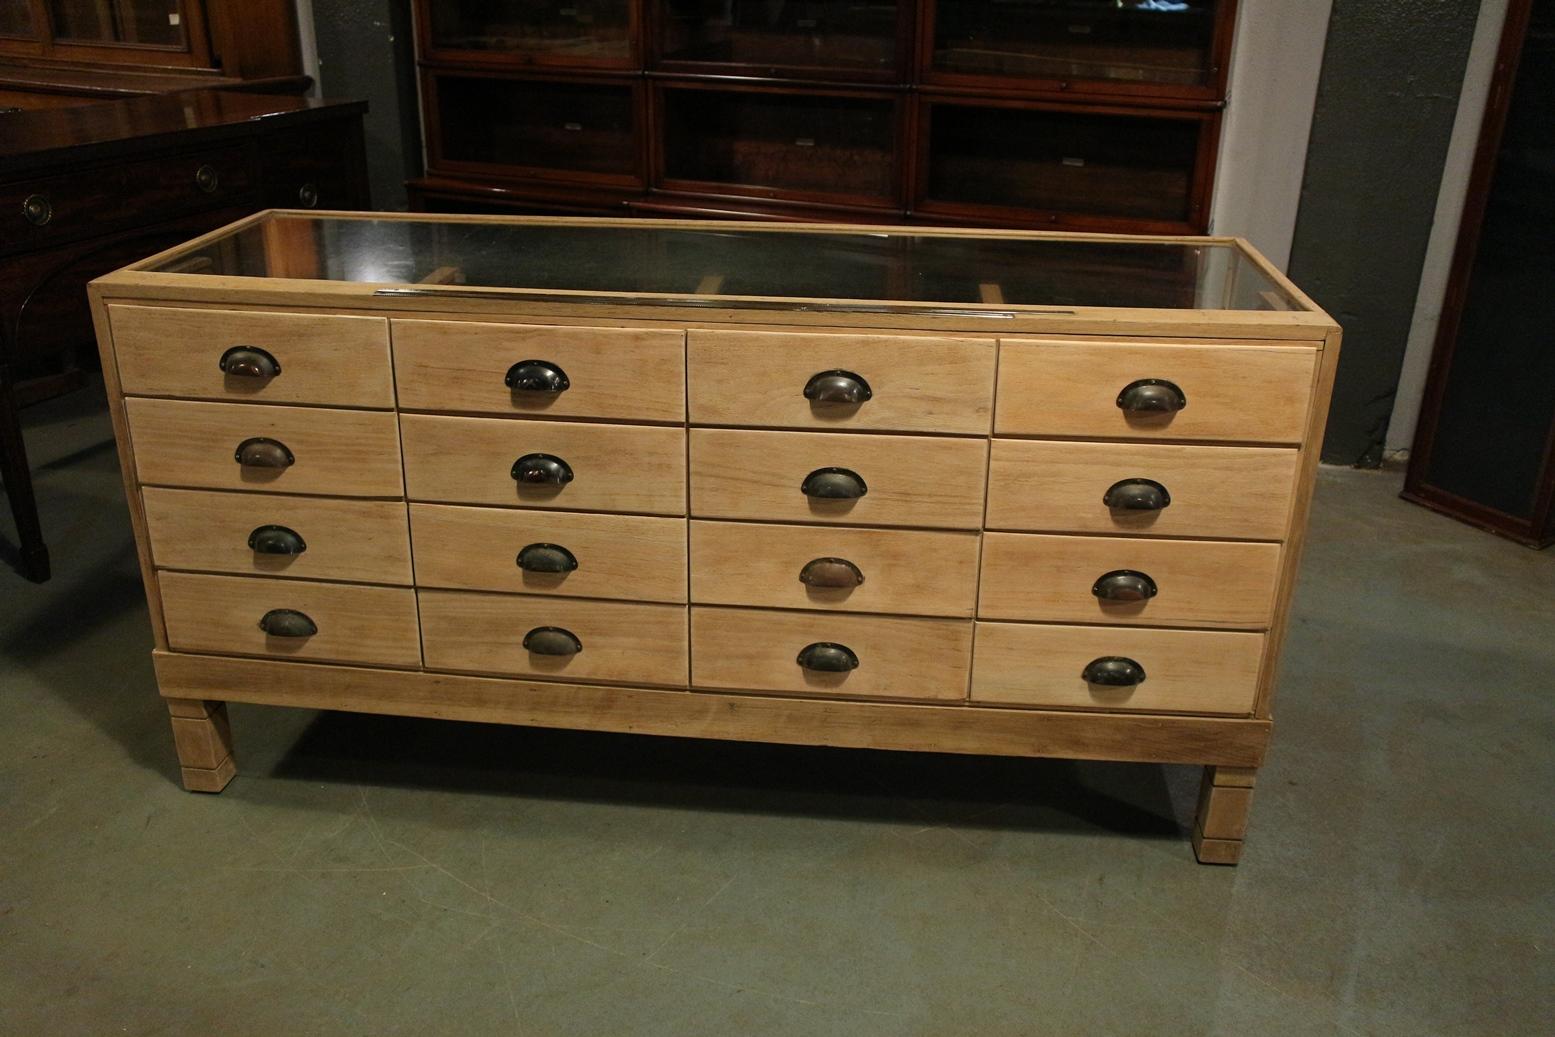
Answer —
276 540
539 376
552 641
1124 585
1152 396
837 386
260 452
287 623
833 484
206 179
542 470
826 657
1113 671
546 558
249 362
37 209
1136 495
308 195
830 572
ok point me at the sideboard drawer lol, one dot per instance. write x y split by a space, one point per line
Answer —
275 535
627 374
1097 580
897 657
1152 488
231 354
912 572
355 624
632 557
614 642
1231 393
1179 671
901 382
637 468
906 480
338 452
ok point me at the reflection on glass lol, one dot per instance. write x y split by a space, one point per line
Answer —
15 18
810 34
585 31
785 266
565 126
152 23
1145 41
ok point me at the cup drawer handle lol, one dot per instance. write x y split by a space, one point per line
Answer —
276 540
837 386
546 558
249 362
1152 396
1125 585
830 572
1113 671
827 657
542 469
537 376
1136 495
833 484
260 452
552 641
287 623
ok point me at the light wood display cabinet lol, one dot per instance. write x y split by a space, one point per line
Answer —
1000 492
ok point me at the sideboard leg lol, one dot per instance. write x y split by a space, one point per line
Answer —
204 742
1224 800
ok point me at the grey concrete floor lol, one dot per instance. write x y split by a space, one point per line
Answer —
369 875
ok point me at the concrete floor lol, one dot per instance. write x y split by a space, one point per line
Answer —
381 876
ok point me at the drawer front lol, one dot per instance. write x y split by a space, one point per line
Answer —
908 480
913 384
1184 671
354 624
338 452
626 374
911 572
1197 582
898 657
620 643
1208 491
260 535
1249 394
614 467
321 358
631 557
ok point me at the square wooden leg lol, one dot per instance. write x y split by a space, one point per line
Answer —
203 739
1225 798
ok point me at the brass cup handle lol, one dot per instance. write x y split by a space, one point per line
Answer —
537 376
249 362
260 452
542 470
546 558
837 386
833 484
1124 585
287 623
830 572
1136 495
552 641
1152 396
1113 671
276 540
827 657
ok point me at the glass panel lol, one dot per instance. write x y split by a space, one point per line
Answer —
867 265
1144 41
152 23
15 18
1105 165
827 145
586 31
575 127
772 37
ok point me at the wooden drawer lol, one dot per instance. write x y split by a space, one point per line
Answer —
910 480
338 452
915 384
627 374
358 540
1214 491
1199 582
355 624
1253 394
1185 671
323 358
898 657
631 557
637 468
485 633
911 572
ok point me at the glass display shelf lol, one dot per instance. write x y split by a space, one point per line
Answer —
547 32
815 38
146 23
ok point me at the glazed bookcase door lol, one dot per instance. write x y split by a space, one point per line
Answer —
118 32
560 33
812 39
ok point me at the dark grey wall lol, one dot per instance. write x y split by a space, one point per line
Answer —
1389 89
367 51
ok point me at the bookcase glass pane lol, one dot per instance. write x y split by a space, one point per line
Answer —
771 37
583 30
580 127
1143 41
152 23
15 18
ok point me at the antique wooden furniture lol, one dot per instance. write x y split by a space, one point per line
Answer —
958 491
1039 113
85 190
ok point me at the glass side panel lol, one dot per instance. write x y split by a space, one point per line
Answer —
582 31
577 127
870 266
772 38
1142 41
152 23
15 18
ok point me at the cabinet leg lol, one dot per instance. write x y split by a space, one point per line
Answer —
204 742
17 478
1224 800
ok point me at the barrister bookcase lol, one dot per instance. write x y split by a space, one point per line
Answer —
920 489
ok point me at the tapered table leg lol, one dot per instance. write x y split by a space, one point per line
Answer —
17 478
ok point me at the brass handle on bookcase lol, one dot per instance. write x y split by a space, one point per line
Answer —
287 623
827 657
833 484
542 470
830 572
249 362
1125 585
276 540
837 386
1136 495
1152 396
546 558
552 641
260 452
540 376
1113 671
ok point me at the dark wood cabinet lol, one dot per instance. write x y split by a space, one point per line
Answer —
1028 113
